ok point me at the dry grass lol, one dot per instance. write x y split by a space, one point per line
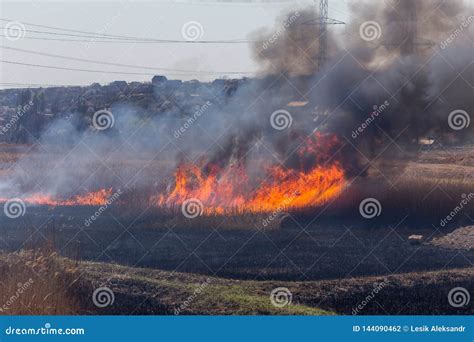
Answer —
424 190
34 283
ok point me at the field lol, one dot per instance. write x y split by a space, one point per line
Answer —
330 260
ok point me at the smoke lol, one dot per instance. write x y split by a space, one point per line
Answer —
381 97
393 74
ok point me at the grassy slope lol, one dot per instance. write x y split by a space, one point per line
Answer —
69 287
140 291
170 290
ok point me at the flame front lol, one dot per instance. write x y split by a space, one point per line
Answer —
225 190
317 179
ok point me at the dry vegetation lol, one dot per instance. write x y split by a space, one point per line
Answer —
35 283
145 291
340 266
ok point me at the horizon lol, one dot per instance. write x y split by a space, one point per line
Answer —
144 19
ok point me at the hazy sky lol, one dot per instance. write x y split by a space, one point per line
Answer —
148 19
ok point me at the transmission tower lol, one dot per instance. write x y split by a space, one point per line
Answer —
323 21
411 30
410 41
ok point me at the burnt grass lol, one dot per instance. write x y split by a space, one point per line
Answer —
330 258
294 251
330 266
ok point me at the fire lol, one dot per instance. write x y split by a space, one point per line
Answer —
315 178
297 189
95 198
231 189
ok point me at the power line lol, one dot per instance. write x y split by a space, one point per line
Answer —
149 40
142 41
75 69
123 65
70 30
83 35
120 38
86 70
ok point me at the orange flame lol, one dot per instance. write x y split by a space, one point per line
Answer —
229 190
318 179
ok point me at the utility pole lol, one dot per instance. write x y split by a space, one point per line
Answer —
410 27
323 12
323 21
410 44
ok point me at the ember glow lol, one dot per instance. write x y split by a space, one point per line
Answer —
314 178
316 181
